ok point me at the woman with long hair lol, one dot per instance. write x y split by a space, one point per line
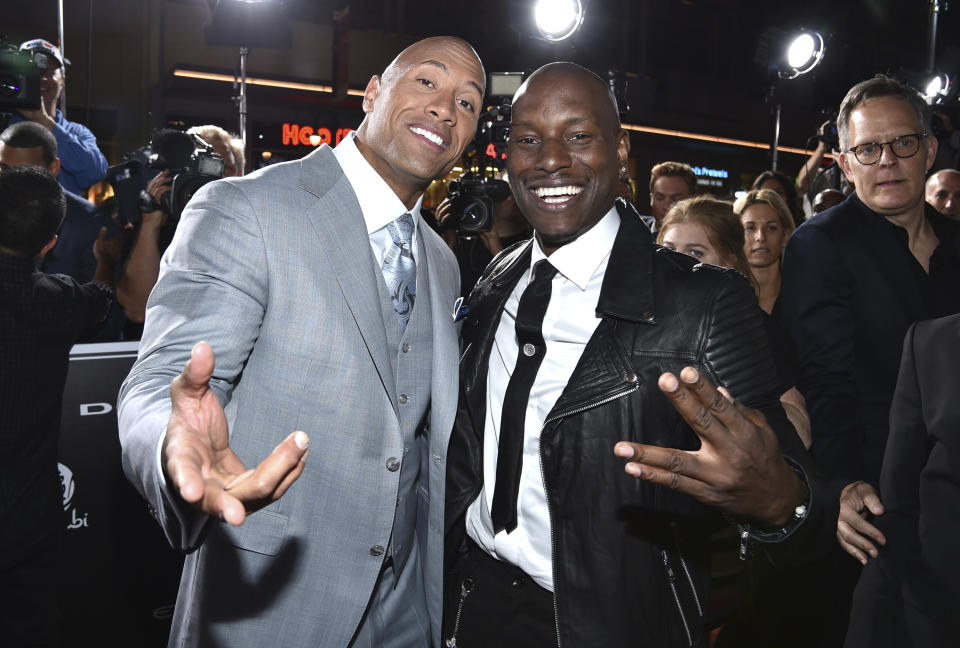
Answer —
709 230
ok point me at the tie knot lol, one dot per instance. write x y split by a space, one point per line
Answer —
401 230
543 270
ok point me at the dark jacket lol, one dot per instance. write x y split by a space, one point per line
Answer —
909 595
851 288
630 558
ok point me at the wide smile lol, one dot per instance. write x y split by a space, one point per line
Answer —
431 137
556 198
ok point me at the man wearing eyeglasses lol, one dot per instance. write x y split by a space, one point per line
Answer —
855 277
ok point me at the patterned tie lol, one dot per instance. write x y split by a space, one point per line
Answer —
529 324
400 270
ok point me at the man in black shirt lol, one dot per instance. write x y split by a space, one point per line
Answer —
41 317
855 277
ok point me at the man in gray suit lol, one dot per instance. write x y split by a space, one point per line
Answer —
313 332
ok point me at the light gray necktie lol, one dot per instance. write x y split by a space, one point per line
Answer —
400 270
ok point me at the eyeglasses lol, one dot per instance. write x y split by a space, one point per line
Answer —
903 147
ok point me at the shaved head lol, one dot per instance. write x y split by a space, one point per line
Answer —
420 51
565 71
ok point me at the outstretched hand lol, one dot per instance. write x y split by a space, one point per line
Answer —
197 458
738 468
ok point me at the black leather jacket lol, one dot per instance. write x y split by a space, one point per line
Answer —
630 558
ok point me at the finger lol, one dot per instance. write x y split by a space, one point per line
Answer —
872 501
218 503
850 549
672 480
866 529
102 234
856 540
697 401
195 378
183 465
269 480
642 456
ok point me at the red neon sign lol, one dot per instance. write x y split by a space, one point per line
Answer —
297 135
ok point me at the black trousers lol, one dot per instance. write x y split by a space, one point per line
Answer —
494 603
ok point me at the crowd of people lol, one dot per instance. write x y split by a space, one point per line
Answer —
619 404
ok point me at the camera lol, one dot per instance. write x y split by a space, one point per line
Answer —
20 73
471 202
830 137
191 161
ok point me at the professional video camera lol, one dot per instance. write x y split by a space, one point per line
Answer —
191 161
472 197
474 193
20 73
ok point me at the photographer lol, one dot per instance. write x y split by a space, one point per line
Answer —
186 161
82 163
813 177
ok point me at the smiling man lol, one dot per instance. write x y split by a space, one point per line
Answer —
327 304
854 279
551 539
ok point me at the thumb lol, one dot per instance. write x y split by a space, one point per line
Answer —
195 378
102 234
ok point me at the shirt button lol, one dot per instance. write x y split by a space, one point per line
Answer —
393 464
403 399
529 349
376 550
405 347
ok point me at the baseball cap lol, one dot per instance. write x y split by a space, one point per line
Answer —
45 46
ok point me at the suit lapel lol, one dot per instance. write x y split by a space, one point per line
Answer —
344 250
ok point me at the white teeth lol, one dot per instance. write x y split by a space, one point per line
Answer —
433 137
545 192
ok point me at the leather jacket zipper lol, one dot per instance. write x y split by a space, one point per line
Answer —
465 588
672 579
683 563
634 386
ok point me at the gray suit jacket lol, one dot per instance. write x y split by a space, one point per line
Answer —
274 270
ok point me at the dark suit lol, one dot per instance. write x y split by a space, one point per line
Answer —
909 595
850 289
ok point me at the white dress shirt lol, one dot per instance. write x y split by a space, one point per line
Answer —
379 204
569 323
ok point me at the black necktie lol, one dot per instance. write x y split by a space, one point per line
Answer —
530 312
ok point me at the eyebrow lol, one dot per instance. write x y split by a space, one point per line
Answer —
446 70
570 122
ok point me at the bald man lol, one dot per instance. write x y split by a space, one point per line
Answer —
326 303
578 511
943 192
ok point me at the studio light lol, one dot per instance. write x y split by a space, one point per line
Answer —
558 19
937 89
803 54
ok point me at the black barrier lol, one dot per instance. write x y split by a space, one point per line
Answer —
120 576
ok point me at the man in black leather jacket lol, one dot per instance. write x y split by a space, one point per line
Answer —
596 553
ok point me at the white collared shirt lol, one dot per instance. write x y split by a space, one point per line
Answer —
569 323
378 202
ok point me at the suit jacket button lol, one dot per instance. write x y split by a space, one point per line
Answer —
393 464
405 347
376 550
403 399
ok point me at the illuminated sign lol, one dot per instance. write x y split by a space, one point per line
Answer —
711 173
297 135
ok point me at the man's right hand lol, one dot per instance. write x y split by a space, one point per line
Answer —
853 531
196 455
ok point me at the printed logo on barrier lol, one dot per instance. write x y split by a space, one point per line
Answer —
68 486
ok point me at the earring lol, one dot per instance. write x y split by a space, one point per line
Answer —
623 170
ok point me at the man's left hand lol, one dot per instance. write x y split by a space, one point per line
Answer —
738 468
